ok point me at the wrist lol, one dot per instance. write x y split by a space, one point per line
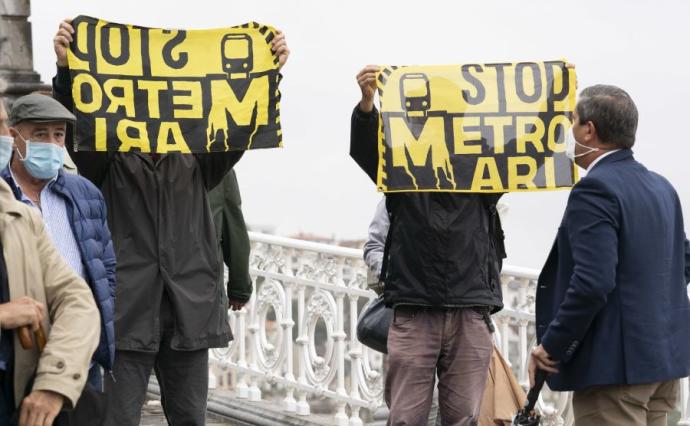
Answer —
366 105
236 298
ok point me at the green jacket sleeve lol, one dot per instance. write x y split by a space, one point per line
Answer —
232 236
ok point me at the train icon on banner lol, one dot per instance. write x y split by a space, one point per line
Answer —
415 95
237 55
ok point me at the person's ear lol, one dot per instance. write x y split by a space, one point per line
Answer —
13 132
18 138
590 131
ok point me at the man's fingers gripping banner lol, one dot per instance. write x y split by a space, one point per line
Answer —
475 127
161 91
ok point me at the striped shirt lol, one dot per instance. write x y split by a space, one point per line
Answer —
54 212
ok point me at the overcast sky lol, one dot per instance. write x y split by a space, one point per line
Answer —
312 185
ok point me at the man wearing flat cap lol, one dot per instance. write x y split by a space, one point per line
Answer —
73 209
39 292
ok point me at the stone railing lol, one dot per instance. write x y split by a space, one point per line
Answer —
295 342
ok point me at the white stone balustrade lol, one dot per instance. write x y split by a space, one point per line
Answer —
298 332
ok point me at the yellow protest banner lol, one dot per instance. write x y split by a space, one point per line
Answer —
161 90
475 127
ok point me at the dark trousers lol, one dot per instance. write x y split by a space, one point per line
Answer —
7 407
182 377
454 344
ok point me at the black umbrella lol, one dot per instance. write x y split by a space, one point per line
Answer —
528 416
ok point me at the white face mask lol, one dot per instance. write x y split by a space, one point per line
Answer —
6 144
570 143
42 160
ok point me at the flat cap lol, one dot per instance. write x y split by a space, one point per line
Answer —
41 108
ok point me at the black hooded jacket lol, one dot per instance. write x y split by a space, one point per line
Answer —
446 249
164 238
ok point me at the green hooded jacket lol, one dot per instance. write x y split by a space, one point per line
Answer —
232 237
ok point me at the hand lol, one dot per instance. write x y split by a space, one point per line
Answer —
541 360
40 408
279 48
235 304
367 84
571 66
62 40
21 312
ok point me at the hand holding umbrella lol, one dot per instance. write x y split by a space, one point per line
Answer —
540 366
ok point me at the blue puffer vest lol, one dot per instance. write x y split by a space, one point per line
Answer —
87 210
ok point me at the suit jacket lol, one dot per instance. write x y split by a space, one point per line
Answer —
612 303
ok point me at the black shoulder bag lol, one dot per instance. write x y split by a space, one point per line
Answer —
375 320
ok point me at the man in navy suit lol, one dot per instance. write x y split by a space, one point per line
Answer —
612 313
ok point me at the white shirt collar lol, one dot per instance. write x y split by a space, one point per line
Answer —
16 183
601 157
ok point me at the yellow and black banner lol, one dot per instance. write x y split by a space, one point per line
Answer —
475 127
161 91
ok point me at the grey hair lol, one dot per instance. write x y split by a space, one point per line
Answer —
613 113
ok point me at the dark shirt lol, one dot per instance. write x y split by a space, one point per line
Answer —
6 339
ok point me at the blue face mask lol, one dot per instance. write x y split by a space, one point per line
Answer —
6 143
43 160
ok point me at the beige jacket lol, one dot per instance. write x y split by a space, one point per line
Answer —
36 269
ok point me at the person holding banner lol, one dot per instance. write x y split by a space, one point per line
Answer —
612 309
441 294
170 308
